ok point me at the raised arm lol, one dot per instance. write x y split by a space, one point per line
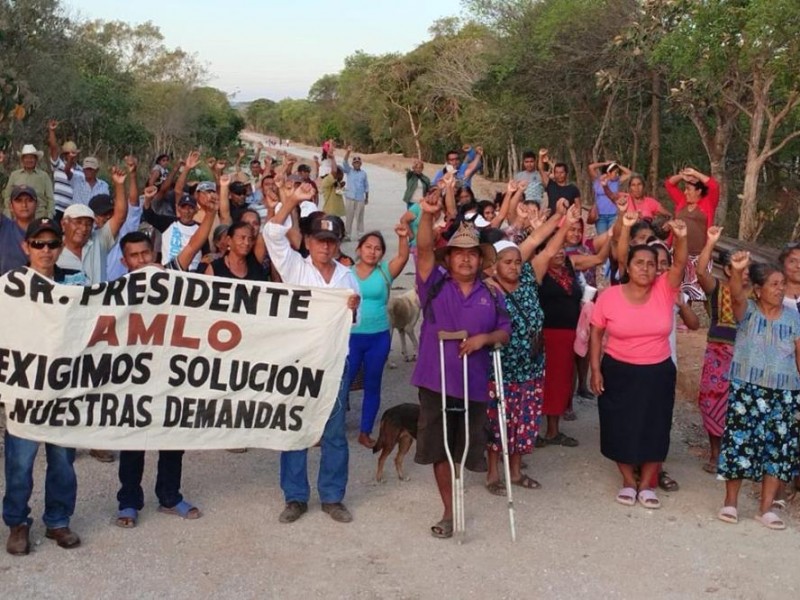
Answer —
542 228
582 262
628 220
426 260
120 201
542 260
52 142
680 255
224 199
398 263
594 169
704 278
449 183
543 173
192 160
200 236
133 186
739 262
475 164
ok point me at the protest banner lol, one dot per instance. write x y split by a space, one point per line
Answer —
169 360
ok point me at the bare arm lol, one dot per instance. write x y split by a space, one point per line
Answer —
542 260
595 353
688 316
426 260
52 142
224 200
704 278
739 262
680 255
543 173
582 262
199 237
120 201
398 263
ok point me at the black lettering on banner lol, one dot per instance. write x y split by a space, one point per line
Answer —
58 375
41 288
178 374
59 410
187 411
279 418
298 309
143 410
244 415
19 376
220 297
276 294
113 295
108 410
126 417
158 290
20 411
92 290
247 296
137 289
40 413
15 285
225 416
204 417
74 413
172 412
4 352
297 421
92 399
263 415
197 293
142 374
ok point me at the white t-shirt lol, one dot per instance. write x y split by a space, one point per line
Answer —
174 239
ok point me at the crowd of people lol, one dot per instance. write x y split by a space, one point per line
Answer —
518 271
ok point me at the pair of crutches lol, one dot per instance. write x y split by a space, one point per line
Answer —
457 468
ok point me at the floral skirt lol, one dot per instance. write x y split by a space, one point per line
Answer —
761 433
714 386
523 412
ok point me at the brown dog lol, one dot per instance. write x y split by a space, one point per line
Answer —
398 428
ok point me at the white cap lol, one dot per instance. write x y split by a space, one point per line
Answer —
78 211
504 245
306 208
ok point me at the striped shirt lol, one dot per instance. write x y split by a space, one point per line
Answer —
62 185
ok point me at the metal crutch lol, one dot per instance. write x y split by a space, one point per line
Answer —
456 475
503 422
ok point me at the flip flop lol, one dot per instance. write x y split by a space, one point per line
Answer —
626 496
183 510
563 440
728 514
710 468
496 488
126 518
649 500
771 521
779 505
526 482
443 529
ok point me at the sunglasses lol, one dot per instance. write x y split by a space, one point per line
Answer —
42 244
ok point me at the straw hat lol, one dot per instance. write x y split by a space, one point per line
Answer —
467 237
30 149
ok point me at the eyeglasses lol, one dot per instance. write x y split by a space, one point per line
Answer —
42 244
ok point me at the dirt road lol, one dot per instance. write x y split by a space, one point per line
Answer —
574 541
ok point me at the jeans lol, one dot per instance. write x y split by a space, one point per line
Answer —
370 350
168 478
60 484
604 223
334 456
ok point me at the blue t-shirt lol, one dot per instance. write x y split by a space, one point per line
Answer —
11 237
764 353
374 298
605 205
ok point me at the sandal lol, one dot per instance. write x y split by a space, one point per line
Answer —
182 509
771 521
540 442
570 415
496 488
649 500
126 518
526 482
710 467
779 505
626 496
728 514
667 483
443 529
563 440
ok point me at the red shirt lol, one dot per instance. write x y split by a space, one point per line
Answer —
708 203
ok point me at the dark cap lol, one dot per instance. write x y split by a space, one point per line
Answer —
39 225
327 227
206 186
102 204
239 188
23 190
187 200
304 168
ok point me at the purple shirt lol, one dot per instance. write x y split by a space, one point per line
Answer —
479 312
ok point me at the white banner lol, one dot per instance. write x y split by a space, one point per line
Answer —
168 360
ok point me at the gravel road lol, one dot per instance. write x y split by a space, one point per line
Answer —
574 541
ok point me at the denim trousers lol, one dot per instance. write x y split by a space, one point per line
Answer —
334 456
168 478
60 484
604 223
370 350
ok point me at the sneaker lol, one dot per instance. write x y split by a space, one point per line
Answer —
337 511
293 511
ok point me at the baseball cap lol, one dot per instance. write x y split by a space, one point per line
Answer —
187 200
326 227
304 168
206 186
79 211
20 190
37 226
239 188
306 208
69 147
101 204
90 162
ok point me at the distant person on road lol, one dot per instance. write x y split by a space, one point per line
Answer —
417 184
356 194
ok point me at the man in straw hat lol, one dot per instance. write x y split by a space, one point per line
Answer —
454 297
31 176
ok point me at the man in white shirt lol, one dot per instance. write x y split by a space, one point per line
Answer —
319 269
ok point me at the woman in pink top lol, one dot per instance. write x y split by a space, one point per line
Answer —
635 381
635 200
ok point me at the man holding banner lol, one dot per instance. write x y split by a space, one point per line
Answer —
319 269
137 253
42 245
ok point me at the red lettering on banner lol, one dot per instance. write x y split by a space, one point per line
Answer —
105 330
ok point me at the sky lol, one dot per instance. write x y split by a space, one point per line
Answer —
276 49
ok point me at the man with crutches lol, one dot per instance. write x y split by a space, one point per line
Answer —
474 319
